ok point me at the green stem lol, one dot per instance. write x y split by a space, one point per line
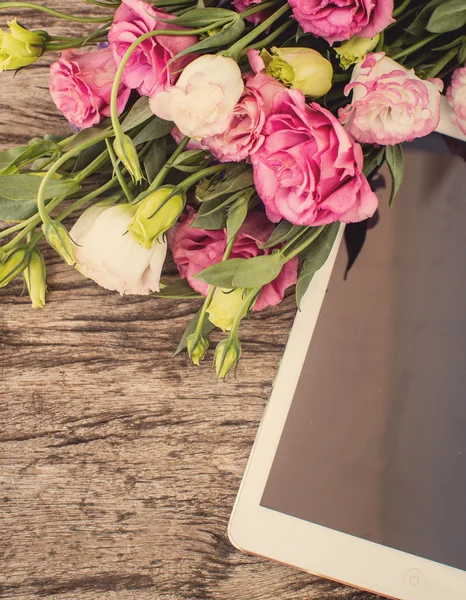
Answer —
195 177
441 63
401 8
82 201
92 167
269 39
210 293
246 305
294 239
30 224
415 47
160 177
118 173
78 43
304 244
235 50
54 168
54 13
257 8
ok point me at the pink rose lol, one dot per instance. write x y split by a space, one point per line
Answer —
456 96
202 102
256 18
195 249
244 135
81 86
309 170
337 20
390 104
146 70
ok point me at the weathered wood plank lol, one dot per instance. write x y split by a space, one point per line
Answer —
119 465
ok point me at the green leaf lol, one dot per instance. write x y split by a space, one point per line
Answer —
237 215
238 176
7 157
462 54
85 136
87 156
192 160
139 113
191 328
317 254
395 161
226 36
418 26
449 16
18 194
155 158
23 155
201 17
212 221
155 129
221 274
25 187
258 271
372 160
243 272
178 289
282 233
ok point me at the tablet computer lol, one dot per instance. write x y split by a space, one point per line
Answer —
358 472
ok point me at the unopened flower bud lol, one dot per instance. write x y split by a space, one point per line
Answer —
57 236
354 50
197 345
126 152
34 276
13 263
301 69
227 356
19 47
155 215
224 307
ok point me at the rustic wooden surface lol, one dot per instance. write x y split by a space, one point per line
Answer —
119 465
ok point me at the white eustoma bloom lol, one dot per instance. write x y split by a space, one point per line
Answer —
109 254
202 101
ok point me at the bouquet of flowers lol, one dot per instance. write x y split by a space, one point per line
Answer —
238 134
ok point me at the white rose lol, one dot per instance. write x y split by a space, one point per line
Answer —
110 255
202 101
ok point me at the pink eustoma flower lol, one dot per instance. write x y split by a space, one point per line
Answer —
244 135
390 104
147 70
196 249
309 170
456 96
81 85
337 20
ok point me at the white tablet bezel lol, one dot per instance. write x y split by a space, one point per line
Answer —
313 548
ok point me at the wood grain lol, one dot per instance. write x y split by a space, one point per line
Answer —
119 464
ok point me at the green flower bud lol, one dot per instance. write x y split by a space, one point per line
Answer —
19 47
354 50
34 276
301 69
227 356
224 307
197 346
155 215
13 263
126 152
57 236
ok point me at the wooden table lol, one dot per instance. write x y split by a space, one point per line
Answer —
119 464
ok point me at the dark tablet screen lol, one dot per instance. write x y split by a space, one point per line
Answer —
375 441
